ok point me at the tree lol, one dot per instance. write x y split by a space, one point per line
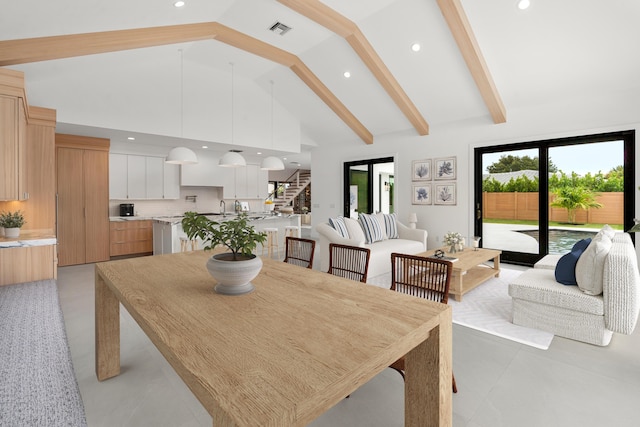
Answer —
510 163
573 198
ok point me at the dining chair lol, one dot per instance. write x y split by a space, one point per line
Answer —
299 251
422 277
351 262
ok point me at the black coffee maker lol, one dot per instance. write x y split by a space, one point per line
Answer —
126 209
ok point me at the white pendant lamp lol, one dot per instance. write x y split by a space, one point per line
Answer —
272 163
232 159
181 155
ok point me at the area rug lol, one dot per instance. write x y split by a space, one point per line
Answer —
38 385
487 308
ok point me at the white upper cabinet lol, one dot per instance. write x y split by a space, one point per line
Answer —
171 181
142 177
248 182
118 176
136 177
155 177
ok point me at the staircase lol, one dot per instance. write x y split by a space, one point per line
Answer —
297 182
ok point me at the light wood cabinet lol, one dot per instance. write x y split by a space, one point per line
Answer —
27 264
13 163
131 237
82 172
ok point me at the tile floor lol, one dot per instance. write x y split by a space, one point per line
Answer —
500 382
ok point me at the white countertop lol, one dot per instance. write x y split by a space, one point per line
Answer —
28 238
173 219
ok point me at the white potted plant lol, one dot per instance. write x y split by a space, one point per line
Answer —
232 270
11 222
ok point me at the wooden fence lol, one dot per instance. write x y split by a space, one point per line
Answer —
524 206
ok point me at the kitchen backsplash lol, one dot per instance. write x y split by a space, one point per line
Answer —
207 200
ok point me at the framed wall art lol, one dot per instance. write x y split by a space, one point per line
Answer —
444 193
421 194
421 170
445 168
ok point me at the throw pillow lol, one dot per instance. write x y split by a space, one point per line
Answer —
607 231
380 218
371 228
354 229
566 266
590 265
391 225
339 225
581 244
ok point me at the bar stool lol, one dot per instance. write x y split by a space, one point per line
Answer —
272 241
291 231
184 244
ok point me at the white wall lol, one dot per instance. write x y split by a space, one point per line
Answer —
562 119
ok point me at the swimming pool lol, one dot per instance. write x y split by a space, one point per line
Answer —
561 240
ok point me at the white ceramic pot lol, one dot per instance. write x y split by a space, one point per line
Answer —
11 232
234 277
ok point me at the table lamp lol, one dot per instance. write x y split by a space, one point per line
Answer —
413 220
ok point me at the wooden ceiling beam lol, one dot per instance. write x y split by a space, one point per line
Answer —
22 51
463 34
334 21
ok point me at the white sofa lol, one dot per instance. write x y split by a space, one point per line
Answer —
540 302
409 241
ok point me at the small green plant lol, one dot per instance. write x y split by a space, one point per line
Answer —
236 234
12 219
574 198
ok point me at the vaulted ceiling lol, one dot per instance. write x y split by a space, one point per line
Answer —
478 60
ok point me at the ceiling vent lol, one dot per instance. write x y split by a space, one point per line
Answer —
280 28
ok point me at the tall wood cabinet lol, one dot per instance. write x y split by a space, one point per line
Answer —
13 136
82 172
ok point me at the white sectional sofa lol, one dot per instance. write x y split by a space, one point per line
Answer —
540 302
409 241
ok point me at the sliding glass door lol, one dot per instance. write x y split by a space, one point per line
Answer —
541 197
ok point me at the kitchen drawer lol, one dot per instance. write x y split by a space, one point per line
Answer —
131 237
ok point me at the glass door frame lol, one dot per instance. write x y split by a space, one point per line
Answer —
346 169
543 189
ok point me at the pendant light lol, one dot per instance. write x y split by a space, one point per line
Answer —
272 163
181 155
232 159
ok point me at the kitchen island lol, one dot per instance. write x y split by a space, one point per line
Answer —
167 231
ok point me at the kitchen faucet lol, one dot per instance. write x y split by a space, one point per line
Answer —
223 207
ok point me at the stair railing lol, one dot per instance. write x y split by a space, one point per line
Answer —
295 174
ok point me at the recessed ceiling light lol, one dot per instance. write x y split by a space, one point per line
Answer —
346 74
415 47
205 146
523 4
179 3
259 153
131 138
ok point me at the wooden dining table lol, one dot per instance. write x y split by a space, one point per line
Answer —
283 354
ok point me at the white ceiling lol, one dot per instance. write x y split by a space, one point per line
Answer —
555 49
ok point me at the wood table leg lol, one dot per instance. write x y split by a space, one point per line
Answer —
456 282
496 265
428 376
107 324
